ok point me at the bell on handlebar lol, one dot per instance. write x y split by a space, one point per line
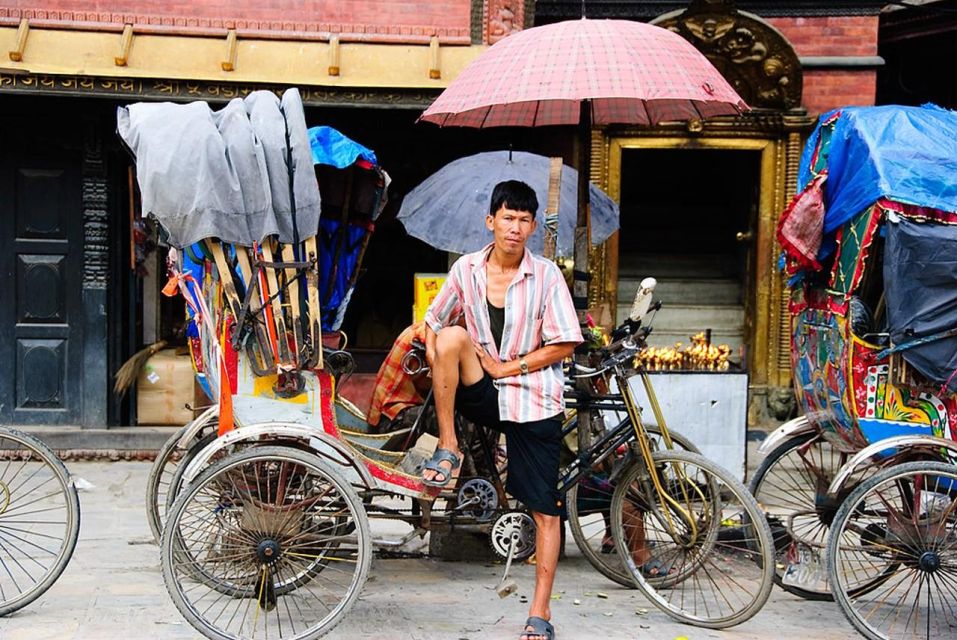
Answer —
643 299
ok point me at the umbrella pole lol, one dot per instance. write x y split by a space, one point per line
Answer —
580 274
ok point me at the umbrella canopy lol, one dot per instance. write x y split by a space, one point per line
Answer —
630 72
448 210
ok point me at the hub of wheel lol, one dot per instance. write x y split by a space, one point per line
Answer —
268 551
929 562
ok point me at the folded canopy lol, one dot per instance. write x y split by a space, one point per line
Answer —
240 174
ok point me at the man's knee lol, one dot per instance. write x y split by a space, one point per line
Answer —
450 340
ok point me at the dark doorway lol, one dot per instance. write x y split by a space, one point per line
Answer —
687 218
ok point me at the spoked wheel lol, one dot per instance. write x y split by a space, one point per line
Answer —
268 543
791 487
892 553
589 515
39 519
172 456
704 554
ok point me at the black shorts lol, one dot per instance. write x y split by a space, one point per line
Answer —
533 447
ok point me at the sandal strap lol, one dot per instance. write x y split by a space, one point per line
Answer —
540 627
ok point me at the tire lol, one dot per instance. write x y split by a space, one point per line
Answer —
229 526
893 568
716 565
32 475
169 458
791 486
589 519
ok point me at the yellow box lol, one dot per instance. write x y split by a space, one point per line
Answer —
427 286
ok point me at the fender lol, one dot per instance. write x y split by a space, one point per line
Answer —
866 456
797 426
322 444
191 430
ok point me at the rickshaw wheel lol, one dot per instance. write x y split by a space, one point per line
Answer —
589 517
892 553
792 495
714 575
270 542
39 519
170 461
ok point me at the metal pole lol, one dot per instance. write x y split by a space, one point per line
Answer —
580 274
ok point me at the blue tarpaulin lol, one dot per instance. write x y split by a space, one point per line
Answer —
332 148
905 154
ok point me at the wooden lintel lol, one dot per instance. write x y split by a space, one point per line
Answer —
126 43
334 56
22 32
435 71
229 64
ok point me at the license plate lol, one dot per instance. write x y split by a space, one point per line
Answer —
808 572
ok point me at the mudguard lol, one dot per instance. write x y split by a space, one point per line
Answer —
789 429
934 447
187 433
322 444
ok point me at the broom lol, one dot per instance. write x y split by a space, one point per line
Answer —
130 370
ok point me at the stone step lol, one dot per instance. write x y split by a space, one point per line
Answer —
696 291
679 266
724 318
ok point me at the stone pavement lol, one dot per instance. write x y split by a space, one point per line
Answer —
113 590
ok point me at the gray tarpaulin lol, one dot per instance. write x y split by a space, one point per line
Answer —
920 285
226 173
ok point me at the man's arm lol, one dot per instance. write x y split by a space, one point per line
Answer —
539 359
445 309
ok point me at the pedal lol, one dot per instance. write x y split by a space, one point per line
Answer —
505 589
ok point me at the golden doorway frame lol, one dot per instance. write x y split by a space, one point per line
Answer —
767 322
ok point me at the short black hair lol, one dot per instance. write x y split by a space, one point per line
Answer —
515 195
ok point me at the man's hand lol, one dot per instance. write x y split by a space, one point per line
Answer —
494 368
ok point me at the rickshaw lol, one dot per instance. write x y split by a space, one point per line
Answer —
265 517
859 490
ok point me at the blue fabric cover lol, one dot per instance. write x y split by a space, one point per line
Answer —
332 148
905 154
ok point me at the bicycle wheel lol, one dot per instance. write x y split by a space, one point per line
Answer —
892 553
791 487
704 556
589 516
270 542
169 458
39 519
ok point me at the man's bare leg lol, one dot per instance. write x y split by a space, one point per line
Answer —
455 362
548 537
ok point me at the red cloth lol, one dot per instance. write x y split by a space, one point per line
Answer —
394 389
631 72
801 228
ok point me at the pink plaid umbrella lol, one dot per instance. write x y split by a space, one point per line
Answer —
629 72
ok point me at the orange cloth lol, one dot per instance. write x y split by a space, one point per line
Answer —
394 389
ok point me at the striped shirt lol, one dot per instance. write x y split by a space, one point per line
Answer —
538 311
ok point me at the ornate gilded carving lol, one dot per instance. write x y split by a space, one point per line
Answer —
189 90
752 55
96 242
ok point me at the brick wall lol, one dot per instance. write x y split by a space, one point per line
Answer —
366 19
833 36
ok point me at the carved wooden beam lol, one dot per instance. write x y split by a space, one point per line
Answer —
334 56
22 32
435 71
229 64
126 43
